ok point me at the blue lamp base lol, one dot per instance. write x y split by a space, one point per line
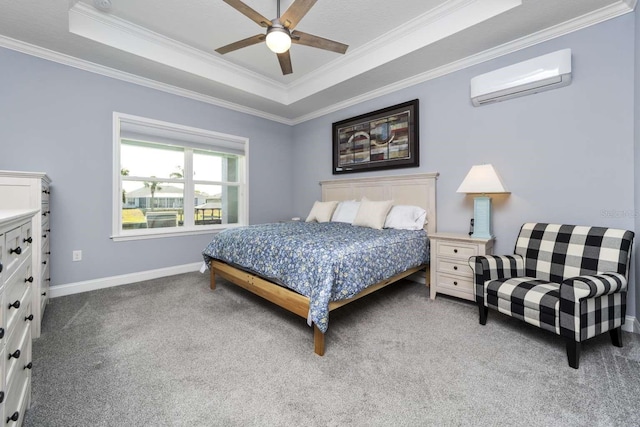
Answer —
482 218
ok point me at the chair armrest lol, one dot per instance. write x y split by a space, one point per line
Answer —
580 287
492 267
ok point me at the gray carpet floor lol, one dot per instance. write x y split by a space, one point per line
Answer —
171 352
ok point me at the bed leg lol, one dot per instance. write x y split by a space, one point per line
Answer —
318 341
213 279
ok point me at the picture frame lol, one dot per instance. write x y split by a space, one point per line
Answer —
381 139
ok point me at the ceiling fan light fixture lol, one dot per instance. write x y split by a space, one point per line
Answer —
278 39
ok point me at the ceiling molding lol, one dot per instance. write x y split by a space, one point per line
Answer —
443 21
81 64
86 21
450 18
542 36
603 14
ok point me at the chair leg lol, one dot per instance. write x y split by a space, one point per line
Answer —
616 336
573 353
483 313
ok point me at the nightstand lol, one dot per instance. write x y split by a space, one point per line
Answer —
450 271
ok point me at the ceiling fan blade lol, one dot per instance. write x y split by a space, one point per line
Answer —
285 63
249 13
296 12
240 44
298 37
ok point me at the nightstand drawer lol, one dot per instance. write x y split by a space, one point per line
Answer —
455 283
459 268
456 250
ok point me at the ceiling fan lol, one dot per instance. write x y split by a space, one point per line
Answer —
280 33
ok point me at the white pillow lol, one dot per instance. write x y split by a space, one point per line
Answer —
372 214
346 211
321 211
406 217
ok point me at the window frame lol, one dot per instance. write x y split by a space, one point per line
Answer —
204 138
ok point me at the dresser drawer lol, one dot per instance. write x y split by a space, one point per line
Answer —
458 267
456 283
17 294
456 250
13 250
18 350
16 404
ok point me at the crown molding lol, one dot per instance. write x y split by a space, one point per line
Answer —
581 22
81 64
601 15
88 22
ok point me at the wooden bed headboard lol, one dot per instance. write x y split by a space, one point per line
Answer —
416 189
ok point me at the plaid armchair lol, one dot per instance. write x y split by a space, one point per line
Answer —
570 280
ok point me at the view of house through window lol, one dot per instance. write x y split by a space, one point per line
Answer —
166 183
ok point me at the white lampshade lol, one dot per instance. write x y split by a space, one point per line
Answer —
278 40
482 179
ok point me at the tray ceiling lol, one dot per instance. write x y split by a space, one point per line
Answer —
170 45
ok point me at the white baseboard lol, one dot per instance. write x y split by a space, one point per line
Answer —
124 279
631 324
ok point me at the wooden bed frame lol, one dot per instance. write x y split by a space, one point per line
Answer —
417 189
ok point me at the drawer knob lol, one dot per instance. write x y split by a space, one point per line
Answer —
455 283
48 253
44 214
455 267
29 317
29 279
1 396
1 267
44 262
14 305
27 240
44 294
49 279
1 333
455 251
14 417
17 250
44 236
28 366
48 230
15 354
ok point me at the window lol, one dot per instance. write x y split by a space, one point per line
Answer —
171 179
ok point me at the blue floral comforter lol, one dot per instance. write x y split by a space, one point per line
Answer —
323 261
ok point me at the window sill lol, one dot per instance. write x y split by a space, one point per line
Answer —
163 233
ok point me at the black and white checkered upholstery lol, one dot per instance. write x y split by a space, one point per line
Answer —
567 279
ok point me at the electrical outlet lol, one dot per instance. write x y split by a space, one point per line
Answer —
77 255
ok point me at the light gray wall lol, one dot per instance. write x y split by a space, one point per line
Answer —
566 155
637 155
57 119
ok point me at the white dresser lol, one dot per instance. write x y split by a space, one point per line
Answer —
31 190
16 316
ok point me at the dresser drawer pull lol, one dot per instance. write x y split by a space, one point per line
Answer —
44 294
48 230
455 283
1 396
49 279
14 305
28 366
15 354
46 191
44 262
1 333
1 267
29 317
17 250
27 240
14 417
44 236
48 253
455 267
455 251
29 279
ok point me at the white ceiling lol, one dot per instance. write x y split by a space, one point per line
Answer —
170 44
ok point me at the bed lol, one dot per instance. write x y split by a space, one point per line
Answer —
313 268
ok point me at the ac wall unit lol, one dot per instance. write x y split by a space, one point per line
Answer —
535 75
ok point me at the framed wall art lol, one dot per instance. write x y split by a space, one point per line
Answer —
382 139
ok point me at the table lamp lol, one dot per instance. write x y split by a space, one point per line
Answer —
482 179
